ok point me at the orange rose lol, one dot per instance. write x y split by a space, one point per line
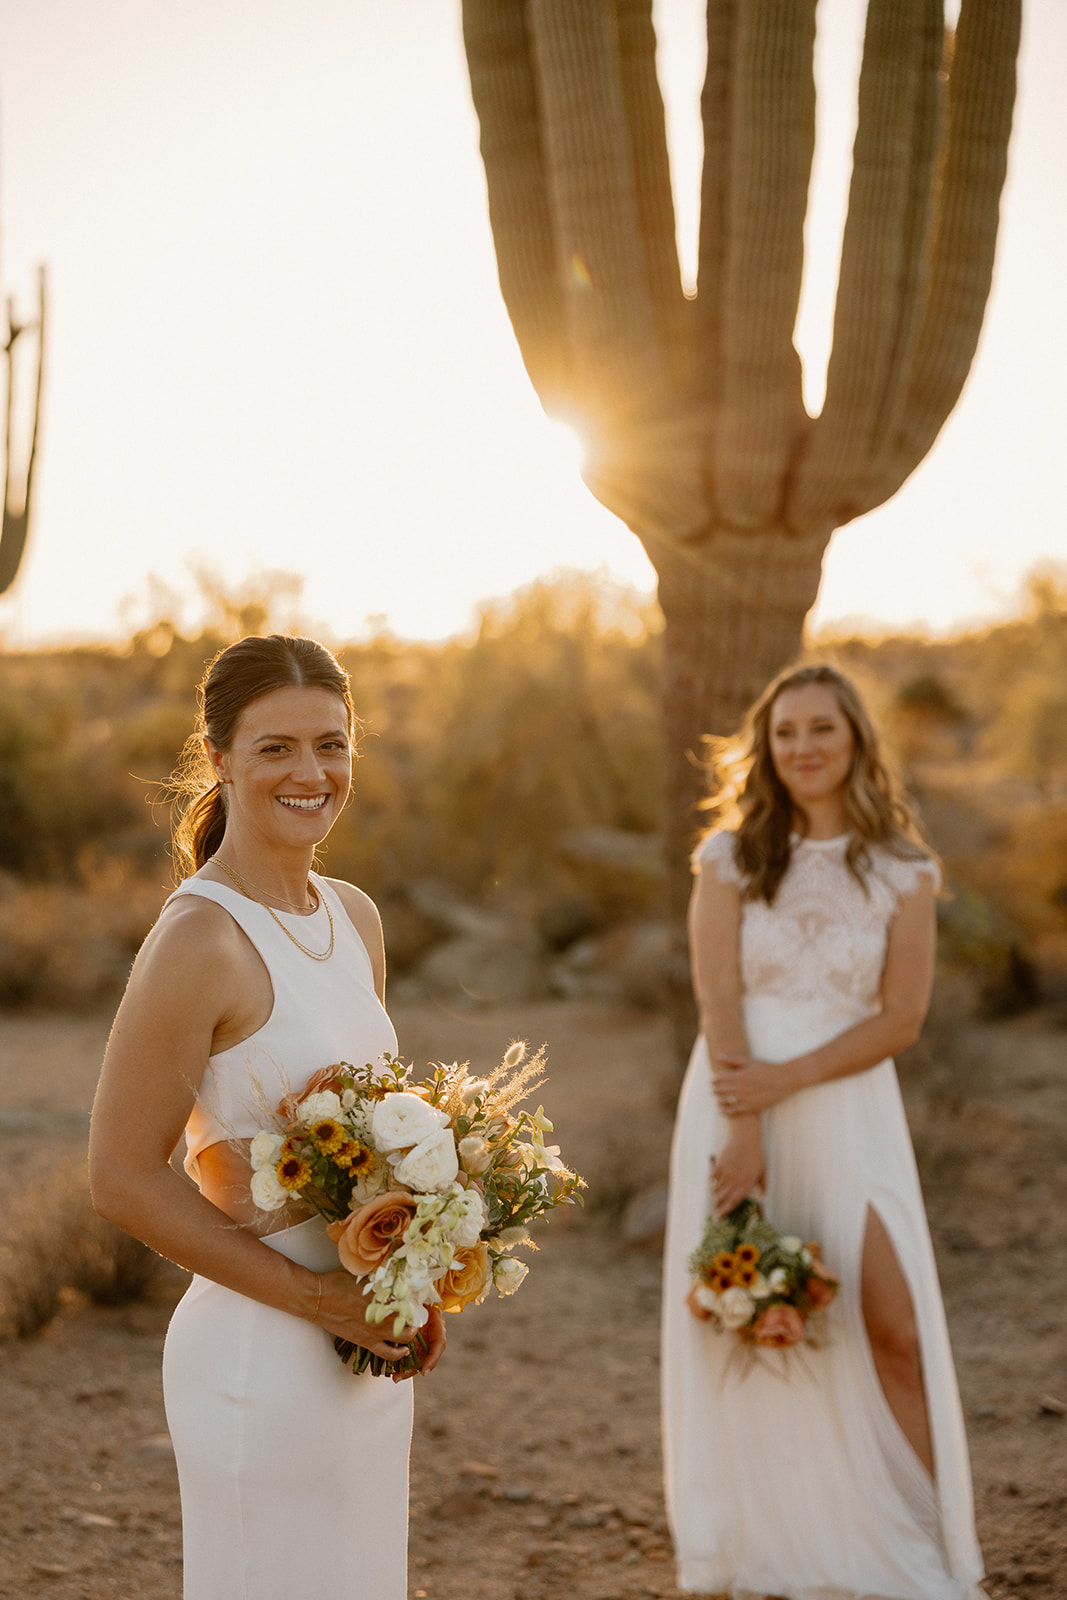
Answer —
778 1326
465 1278
325 1078
365 1239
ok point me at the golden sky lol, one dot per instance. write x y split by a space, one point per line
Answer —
277 339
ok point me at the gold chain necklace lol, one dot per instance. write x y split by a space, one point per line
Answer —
316 955
256 892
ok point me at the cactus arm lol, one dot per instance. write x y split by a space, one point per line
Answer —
981 102
772 139
504 89
16 523
883 258
643 103
618 359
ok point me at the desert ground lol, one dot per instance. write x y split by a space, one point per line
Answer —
535 1465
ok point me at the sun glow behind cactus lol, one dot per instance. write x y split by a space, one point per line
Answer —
278 339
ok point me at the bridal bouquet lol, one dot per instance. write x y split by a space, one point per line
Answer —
427 1187
751 1280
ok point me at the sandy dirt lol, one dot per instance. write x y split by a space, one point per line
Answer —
535 1466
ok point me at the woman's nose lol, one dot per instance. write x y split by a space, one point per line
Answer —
309 768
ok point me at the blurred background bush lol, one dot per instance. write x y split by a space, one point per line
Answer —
504 808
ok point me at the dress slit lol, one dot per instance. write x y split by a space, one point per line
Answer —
908 1472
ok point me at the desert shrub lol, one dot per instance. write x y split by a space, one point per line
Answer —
1029 735
483 760
974 933
72 944
54 1244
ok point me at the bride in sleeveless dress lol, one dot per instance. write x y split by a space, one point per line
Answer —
259 972
843 1475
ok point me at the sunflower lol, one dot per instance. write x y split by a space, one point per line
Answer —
746 1275
354 1157
724 1263
748 1254
293 1171
720 1282
327 1135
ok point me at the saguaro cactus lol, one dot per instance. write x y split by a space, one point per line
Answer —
16 515
691 410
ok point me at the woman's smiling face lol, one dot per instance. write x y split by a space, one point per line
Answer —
289 767
811 743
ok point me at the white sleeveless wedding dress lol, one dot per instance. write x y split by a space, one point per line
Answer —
293 1472
798 1482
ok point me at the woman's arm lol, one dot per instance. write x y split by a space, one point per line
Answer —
181 991
714 943
907 980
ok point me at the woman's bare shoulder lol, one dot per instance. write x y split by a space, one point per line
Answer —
360 907
192 932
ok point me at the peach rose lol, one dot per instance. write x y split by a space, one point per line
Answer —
778 1326
365 1239
325 1078
698 1310
466 1278
821 1286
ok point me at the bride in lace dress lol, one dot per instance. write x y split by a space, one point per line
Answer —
843 1474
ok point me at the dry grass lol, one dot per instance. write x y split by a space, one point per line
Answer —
56 1247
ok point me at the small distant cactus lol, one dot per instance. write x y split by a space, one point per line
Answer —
16 515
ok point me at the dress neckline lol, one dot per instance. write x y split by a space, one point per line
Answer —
797 839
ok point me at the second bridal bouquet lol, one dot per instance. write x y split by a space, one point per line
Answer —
427 1187
751 1280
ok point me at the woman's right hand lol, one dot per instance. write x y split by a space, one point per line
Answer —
740 1166
341 1310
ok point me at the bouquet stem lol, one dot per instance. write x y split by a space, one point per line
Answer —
361 1360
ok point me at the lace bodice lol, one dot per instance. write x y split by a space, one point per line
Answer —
823 941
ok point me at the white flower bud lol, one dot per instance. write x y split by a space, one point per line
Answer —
508 1274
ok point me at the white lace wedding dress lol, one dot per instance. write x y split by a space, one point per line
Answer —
798 1482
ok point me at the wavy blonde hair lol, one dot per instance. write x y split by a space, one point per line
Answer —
749 797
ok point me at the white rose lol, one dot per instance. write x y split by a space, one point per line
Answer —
791 1244
267 1192
317 1106
403 1119
265 1148
508 1274
735 1308
705 1296
475 1154
778 1279
432 1164
761 1288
